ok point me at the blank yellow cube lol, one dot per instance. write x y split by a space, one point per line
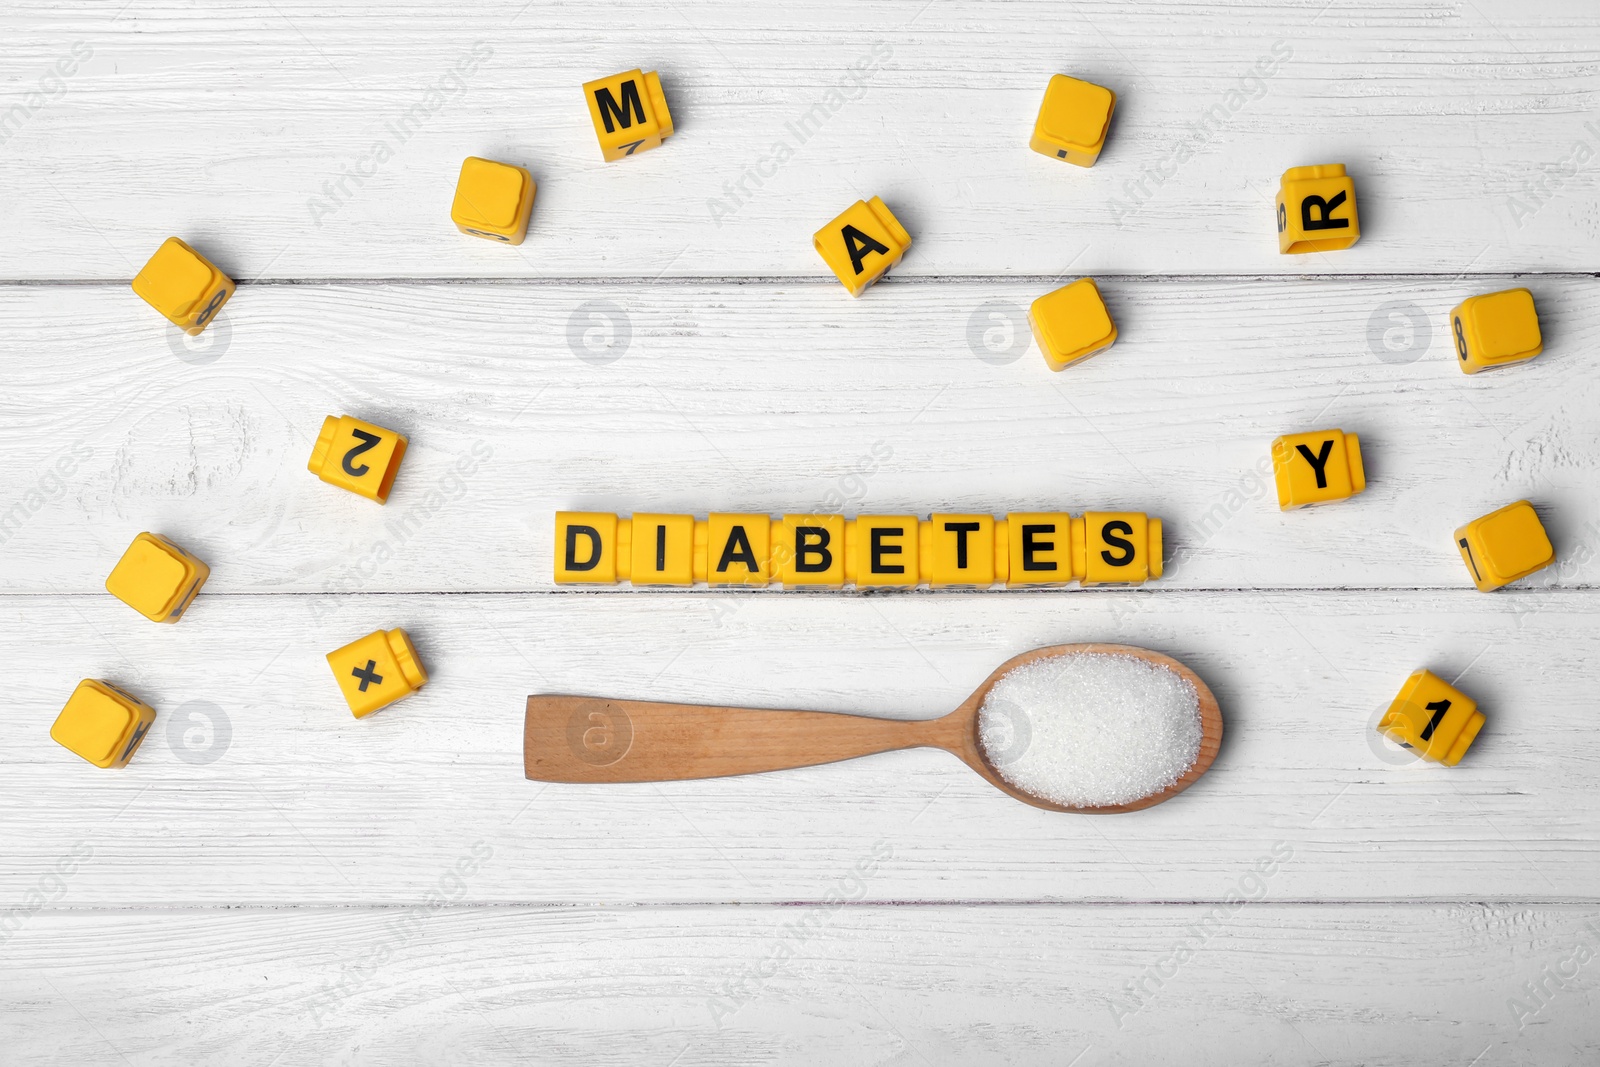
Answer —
1432 717
377 670
961 550
1073 120
809 550
882 551
357 456
586 547
1496 329
102 724
1316 467
157 578
1505 545
1039 545
493 200
183 285
663 549
1071 323
629 112
1116 547
1316 210
862 244
738 549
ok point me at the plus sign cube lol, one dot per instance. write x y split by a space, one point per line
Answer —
377 670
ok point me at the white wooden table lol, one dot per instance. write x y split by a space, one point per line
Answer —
272 881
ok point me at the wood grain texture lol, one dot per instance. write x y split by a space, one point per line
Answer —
1376 986
304 804
778 398
255 132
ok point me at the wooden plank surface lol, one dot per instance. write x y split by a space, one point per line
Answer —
759 398
300 140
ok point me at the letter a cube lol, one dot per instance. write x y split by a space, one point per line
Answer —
862 244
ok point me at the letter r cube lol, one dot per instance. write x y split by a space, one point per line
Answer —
1316 210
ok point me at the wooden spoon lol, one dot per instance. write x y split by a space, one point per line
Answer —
591 739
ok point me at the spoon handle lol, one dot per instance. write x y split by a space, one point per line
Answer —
592 739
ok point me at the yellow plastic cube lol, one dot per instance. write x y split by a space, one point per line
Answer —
586 547
377 670
862 244
1495 329
629 112
493 200
1116 547
1316 467
1071 323
738 549
1432 717
183 285
883 551
1317 210
809 550
357 456
156 578
1039 545
663 549
1505 545
960 550
1073 120
102 724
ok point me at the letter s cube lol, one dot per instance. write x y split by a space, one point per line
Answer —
1316 210
183 285
862 243
1316 467
1432 717
157 578
1116 546
1073 120
102 724
377 670
1504 546
1496 329
357 456
629 112
493 200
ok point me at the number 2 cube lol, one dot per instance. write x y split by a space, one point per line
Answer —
357 456
1316 210
1432 717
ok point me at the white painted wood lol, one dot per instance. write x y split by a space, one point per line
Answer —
774 398
305 804
232 125
1382 986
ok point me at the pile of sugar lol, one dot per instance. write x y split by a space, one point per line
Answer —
1090 729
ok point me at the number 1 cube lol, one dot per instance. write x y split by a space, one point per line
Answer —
1433 718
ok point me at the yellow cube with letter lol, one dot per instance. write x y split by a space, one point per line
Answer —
883 551
1317 467
493 200
357 456
862 243
586 547
102 724
1040 547
1317 210
183 285
1432 717
738 549
809 550
629 112
1121 547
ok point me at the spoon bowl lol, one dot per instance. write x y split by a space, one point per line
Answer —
593 739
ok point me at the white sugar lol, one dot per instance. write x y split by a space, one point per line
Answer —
1089 729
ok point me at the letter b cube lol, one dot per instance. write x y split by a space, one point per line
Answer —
1317 210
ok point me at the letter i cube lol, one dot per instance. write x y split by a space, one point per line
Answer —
1496 329
357 456
102 724
156 578
1432 717
377 670
1314 468
862 243
1316 210
1505 545
493 200
1073 120
1071 323
629 112
183 285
